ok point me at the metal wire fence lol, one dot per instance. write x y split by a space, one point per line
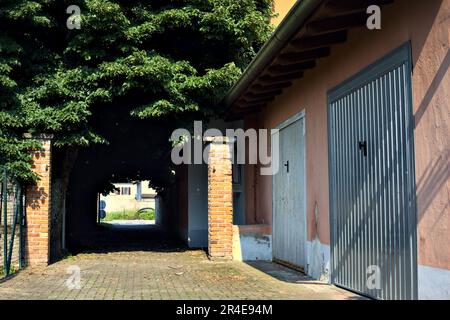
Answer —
11 224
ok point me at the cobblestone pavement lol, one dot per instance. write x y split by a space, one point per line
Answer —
165 275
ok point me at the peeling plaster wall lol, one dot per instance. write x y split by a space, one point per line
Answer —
252 242
318 260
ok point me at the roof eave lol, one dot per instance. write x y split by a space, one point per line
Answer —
288 28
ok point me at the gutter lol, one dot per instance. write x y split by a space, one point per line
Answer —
288 28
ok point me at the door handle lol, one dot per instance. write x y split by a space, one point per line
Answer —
362 145
287 166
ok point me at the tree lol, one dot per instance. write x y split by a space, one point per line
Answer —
170 58
134 69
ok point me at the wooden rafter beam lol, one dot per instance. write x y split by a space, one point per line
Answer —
246 103
251 96
239 112
348 6
240 107
283 69
328 27
320 41
257 88
295 57
247 106
337 23
271 80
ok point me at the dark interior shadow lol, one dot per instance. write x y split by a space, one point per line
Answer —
117 238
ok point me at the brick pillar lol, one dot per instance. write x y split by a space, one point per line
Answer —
37 229
220 199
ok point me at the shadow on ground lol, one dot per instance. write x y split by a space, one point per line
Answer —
288 275
283 273
126 238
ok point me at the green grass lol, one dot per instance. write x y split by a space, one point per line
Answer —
69 256
12 270
148 214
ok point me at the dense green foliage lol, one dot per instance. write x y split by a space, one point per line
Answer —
163 58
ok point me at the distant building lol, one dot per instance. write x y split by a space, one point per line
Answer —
130 196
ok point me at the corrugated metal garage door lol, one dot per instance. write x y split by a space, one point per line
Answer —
372 184
289 200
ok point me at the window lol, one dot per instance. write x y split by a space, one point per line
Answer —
126 191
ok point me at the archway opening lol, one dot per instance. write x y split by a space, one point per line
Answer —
137 156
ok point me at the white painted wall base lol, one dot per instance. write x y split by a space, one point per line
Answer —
318 260
251 246
433 283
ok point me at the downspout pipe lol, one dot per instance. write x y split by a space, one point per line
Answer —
288 28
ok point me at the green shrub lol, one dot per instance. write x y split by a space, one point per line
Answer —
147 214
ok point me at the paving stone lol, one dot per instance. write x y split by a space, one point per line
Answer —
165 275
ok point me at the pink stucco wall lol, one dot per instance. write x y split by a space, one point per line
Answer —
427 25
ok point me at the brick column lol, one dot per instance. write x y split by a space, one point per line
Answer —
220 199
38 199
